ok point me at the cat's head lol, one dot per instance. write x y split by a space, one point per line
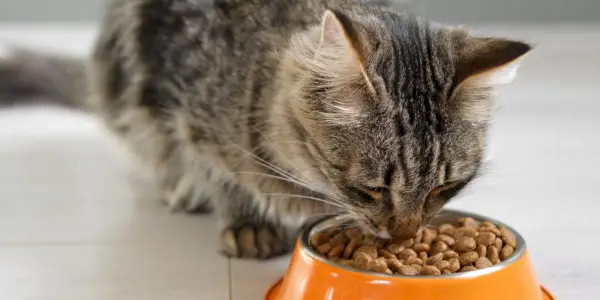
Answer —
394 110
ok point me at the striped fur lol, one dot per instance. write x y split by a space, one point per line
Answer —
272 111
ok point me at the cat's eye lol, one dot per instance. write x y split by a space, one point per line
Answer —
374 192
448 190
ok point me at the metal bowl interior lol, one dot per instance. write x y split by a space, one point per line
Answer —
446 216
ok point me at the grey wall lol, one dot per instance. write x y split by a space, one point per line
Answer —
455 11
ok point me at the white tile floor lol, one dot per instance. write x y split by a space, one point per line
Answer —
71 227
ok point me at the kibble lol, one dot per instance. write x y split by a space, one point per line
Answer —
413 260
483 262
406 253
379 265
468 258
485 238
336 251
407 270
466 246
506 252
430 270
420 247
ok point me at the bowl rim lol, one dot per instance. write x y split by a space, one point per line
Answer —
519 251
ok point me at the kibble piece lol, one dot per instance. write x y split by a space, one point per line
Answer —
386 253
493 230
445 272
369 250
421 247
336 251
423 256
448 240
483 262
468 258
481 251
488 224
449 254
485 238
378 265
468 269
465 244
434 259
468 231
417 267
388 271
406 253
429 235
493 254
430 270
407 243
468 222
447 229
346 262
362 260
349 250
394 264
338 239
499 243
407 270
438 247
442 265
395 248
506 252
413 260
454 265
318 239
508 237
354 234
324 249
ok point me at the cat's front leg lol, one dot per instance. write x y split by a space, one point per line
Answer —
249 226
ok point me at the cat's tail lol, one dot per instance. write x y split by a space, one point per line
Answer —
27 76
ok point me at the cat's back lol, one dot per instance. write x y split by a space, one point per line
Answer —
184 42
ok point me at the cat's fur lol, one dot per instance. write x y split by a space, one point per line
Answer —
258 109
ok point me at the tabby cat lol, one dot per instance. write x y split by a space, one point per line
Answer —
268 112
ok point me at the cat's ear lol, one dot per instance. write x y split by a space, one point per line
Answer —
489 61
482 64
338 54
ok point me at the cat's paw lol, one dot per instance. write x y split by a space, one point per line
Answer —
256 242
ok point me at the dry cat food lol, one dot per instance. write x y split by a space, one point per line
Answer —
445 249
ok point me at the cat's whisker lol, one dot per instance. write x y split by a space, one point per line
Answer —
283 179
282 172
267 164
291 163
306 197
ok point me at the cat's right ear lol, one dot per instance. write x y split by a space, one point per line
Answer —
335 51
339 34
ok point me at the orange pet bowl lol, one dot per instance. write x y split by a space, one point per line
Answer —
312 277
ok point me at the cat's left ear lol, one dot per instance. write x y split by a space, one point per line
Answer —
481 65
488 61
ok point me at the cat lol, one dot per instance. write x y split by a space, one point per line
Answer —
270 112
